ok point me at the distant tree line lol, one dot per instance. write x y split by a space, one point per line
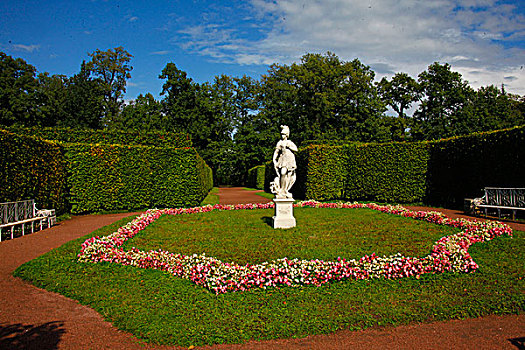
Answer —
234 121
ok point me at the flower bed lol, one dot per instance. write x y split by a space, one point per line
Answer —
449 253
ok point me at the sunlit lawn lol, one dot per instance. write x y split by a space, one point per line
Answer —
160 308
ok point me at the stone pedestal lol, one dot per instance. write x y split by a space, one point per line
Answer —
283 213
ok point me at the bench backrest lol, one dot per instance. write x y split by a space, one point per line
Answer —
506 197
17 211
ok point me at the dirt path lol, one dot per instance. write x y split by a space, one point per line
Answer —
32 318
451 213
237 195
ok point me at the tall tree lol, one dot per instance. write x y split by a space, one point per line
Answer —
442 112
179 103
143 113
85 103
399 93
250 128
215 116
113 69
233 100
323 97
18 91
494 109
52 99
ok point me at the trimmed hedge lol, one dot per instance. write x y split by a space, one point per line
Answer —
389 172
156 139
117 177
256 176
320 172
440 173
269 176
461 167
31 168
80 177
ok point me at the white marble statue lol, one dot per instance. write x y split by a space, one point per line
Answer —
284 164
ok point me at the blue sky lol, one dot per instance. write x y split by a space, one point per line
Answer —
482 39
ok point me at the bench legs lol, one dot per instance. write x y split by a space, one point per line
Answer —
40 225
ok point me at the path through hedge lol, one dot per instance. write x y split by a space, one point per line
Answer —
32 318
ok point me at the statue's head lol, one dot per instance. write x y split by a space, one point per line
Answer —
285 131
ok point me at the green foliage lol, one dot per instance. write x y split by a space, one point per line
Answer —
114 177
256 176
18 91
84 177
234 122
270 175
85 101
461 167
323 97
208 112
388 172
440 173
143 113
212 198
158 139
495 109
399 93
162 309
76 102
31 168
321 173
443 111
111 68
52 98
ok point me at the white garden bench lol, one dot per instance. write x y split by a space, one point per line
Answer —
21 213
501 198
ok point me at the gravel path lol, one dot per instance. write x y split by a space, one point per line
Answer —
32 318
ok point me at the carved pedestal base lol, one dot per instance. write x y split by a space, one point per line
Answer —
283 213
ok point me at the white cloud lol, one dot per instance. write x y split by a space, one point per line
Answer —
480 36
160 53
26 48
133 19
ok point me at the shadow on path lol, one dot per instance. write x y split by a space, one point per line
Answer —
519 343
20 336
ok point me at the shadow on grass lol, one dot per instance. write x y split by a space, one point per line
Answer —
267 220
20 336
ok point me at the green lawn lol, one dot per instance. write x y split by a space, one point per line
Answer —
160 308
212 197
246 236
